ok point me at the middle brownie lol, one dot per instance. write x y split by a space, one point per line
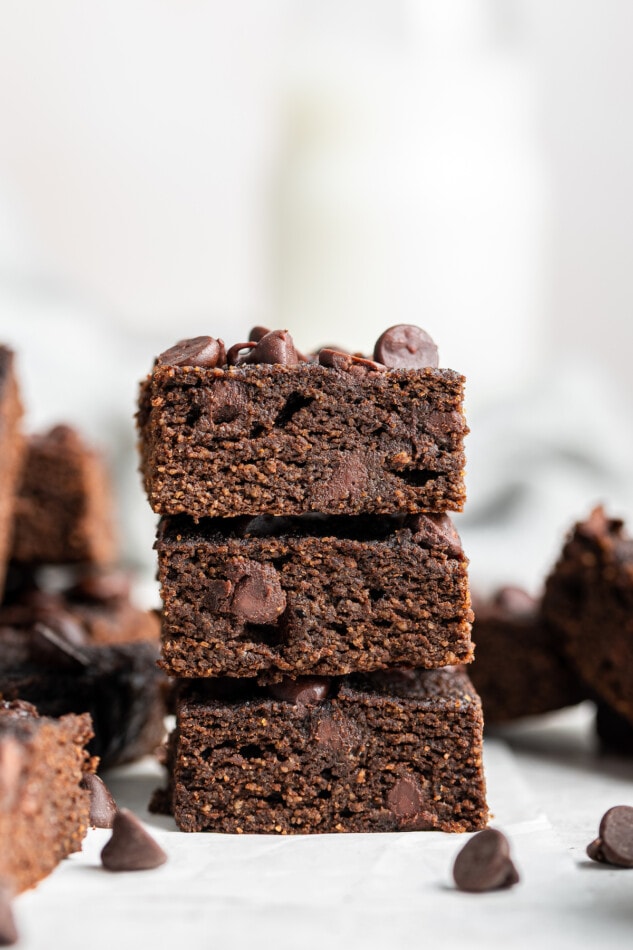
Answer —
317 594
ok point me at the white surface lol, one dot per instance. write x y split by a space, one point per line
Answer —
548 788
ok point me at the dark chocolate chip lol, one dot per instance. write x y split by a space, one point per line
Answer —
614 844
257 333
257 595
198 351
8 930
436 530
303 691
406 347
102 805
405 798
348 363
234 356
515 601
275 347
484 863
53 648
102 587
131 848
348 479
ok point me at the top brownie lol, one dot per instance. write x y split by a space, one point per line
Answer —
262 429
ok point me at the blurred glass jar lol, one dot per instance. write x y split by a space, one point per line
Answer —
411 188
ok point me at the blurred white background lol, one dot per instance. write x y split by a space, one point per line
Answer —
177 167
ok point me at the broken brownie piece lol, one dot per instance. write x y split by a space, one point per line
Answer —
391 751
11 452
519 669
43 808
94 607
589 602
64 507
263 430
119 685
318 594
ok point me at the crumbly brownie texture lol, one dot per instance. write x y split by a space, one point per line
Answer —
120 686
589 601
94 607
43 810
312 594
11 453
64 508
518 669
398 751
280 434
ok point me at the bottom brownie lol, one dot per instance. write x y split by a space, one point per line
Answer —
43 810
397 751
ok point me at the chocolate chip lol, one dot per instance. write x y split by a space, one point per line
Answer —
348 480
275 347
53 648
304 691
257 333
436 531
234 356
8 930
102 805
405 798
257 595
198 351
484 863
614 844
131 848
515 601
406 347
102 587
346 362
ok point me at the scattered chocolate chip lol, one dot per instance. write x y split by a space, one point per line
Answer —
257 595
198 351
234 355
275 347
257 333
53 648
102 805
614 844
303 691
131 848
436 531
8 930
102 587
484 863
346 362
406 347
515 601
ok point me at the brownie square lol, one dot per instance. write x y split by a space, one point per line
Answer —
43 810
11 452
397 751
277 439
64 508
312 594
519 669
589 602
120 686
93 607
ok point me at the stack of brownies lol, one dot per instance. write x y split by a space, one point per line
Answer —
315 594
